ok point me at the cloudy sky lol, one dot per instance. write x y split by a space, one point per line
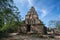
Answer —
46 9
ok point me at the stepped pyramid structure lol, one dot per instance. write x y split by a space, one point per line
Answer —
32 23
32 17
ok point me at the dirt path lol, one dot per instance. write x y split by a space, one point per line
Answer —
26 37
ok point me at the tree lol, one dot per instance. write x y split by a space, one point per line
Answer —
51 24
58 25
8 14
54 24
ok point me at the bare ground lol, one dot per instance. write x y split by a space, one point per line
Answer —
27 37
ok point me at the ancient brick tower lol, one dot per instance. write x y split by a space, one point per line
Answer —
32 23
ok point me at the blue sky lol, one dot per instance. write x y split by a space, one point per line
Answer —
46 9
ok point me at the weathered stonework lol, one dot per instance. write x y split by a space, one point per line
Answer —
32 24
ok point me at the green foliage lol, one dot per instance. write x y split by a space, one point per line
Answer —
13 27
9 16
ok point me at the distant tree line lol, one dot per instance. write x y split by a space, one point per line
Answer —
54 24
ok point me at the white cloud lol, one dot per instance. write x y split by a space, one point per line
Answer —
30 2
47 10
58 17
44 13
22 2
